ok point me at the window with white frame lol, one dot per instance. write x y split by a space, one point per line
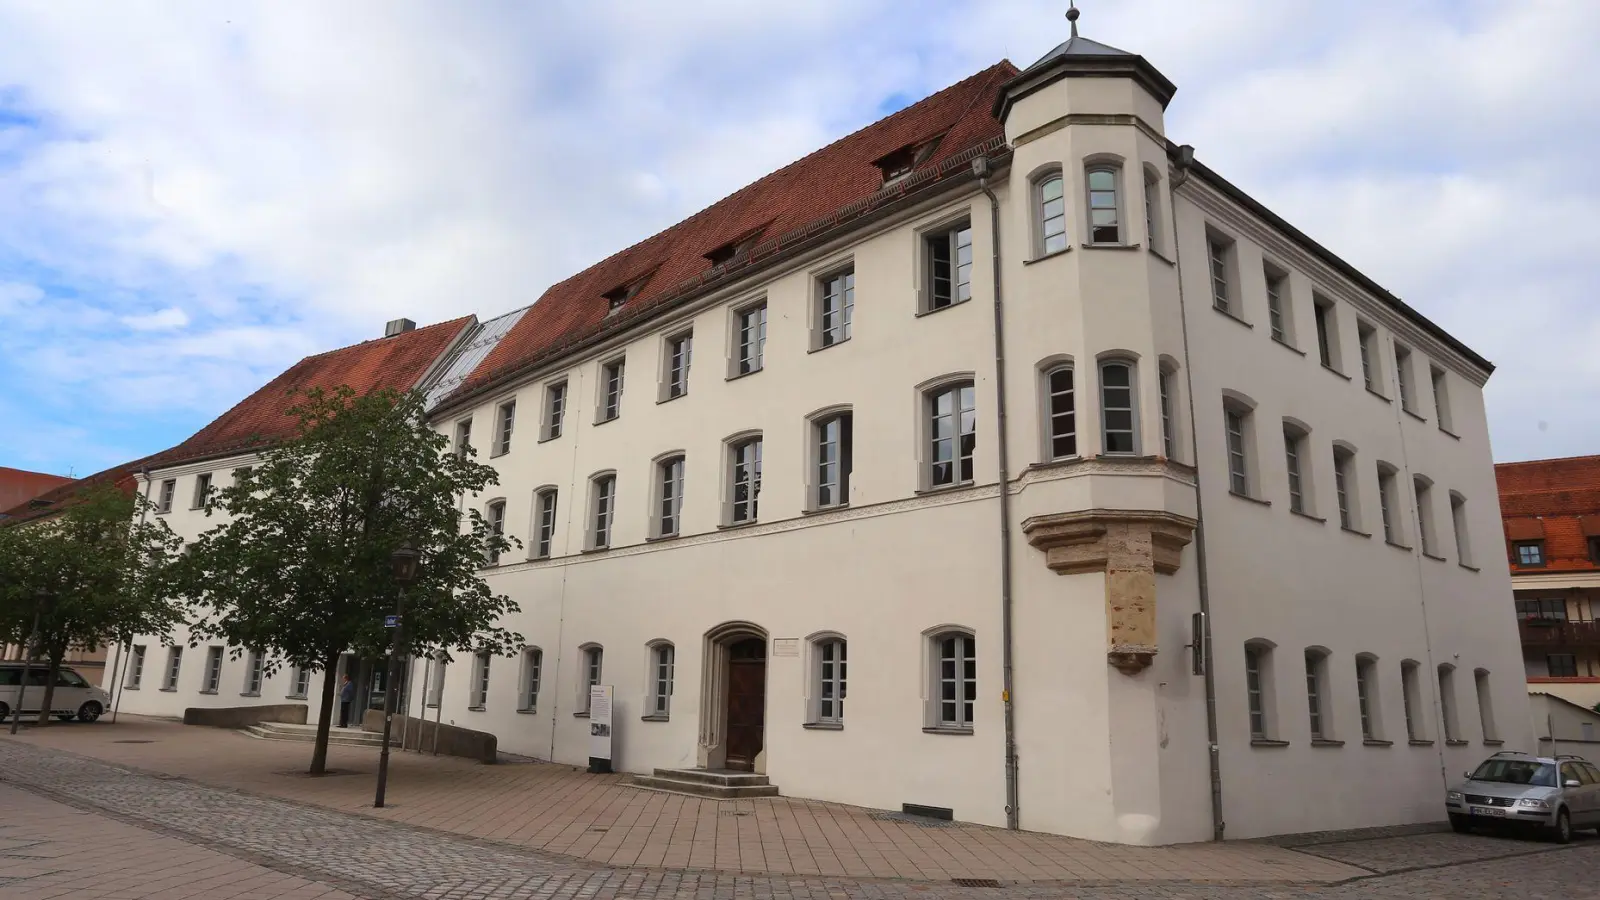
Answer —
1458 519
1411 697
834 439
479 698
1219 257
678 355
952 432
830 653
1403 375
299 682
611 379
463 446
1346 487
1447 702
1441 398
1371 373
1061 413
174 661
1480 681
505 423
592 659
544 504
497 527
1051 219
135 668
169 489
1368 699
949 255
555 410
1327 322
1279 312
955 679
749 339
1422 490
602 503
1119 434
1388 498
1259 696
836 303
1297 462
1167 390
1239 425
669 495
1152 209
662 658
1101 181
1318 703
213 673
436 684
744 480
532 670
254 664
202 489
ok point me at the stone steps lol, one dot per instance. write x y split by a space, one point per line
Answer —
714 784
277 731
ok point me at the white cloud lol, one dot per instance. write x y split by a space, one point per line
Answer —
284 177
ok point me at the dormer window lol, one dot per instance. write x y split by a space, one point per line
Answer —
616 297
901 162
733 249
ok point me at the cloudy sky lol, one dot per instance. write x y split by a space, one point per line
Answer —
195 194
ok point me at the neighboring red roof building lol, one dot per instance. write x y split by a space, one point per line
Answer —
1556 504
19 486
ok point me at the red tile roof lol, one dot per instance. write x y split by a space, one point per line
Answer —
51 501
834 183
19 486
1554 496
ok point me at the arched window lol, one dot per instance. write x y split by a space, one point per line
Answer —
1422 491
663 658
602 507
1346 486
479 699
828 675
1119 432
951 433
744 479
1167 390
1458 518
669 495
497 527
1447 702
1411 696
1319 704
1480 679
955 679
1061 416
1104 203
832 457
1368 697
1259 690
1051 216
1297 462
1238 419
591 659
544 508
1152 208
532 670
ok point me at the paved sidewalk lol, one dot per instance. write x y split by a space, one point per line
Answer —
601 820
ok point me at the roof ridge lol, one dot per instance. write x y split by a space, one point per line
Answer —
1554 459
363 343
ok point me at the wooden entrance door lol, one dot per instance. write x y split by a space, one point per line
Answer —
747 702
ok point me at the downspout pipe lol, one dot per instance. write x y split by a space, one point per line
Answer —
124 650
982 168
1203 639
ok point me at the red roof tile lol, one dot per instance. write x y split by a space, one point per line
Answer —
1559 493
19 486
831 183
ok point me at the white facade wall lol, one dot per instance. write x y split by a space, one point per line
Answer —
1104 754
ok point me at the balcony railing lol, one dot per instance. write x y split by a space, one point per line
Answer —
1555 633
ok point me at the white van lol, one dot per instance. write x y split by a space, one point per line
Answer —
74 696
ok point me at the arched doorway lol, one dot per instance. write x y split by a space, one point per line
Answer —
733 708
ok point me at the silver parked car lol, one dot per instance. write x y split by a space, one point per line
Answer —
1556 794
74 696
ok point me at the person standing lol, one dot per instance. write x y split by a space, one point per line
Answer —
347 694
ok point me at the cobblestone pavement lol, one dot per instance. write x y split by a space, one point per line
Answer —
127 834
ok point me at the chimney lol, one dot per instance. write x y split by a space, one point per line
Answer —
398 326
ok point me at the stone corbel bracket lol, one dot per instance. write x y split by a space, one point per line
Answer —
1131 547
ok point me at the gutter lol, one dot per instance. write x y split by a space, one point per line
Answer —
981 170
1182 162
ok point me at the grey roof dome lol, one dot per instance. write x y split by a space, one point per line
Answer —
1081 57
1078 46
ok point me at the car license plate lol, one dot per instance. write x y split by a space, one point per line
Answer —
1488 811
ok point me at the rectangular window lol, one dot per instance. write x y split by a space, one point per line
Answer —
174 661
1254 657
169 489
480 682
593 658
744 490
1441 398
949 267
213 670
1402 373
1458 518
547 524
1217 250
834 459
300 684
1327 336
253 665
1277 320
1063 414
532 667
750 339
436 685
1543 609
1105 220
463 438
555 409
1292 442
611 377
1562 665
1314 695
831 681
1152 202
241 474
605 494
1368 338
497 527
680 351
1386 505
1052 215
506 421
669 474
1342 485
1411 698
1529 554
1117 410
202 489
661 681
835 307
1169 433
135 668
952 426
958 680
1238 461
1366 690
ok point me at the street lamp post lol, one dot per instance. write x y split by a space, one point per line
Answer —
404 561
27 664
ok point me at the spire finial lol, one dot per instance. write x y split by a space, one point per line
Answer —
1072 15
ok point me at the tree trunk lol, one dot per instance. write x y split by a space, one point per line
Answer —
50 685
330 674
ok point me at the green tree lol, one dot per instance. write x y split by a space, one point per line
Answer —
95 574
300 569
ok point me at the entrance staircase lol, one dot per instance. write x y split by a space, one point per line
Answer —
715 784
354 737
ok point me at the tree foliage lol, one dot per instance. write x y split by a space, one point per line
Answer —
300 567
97 573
